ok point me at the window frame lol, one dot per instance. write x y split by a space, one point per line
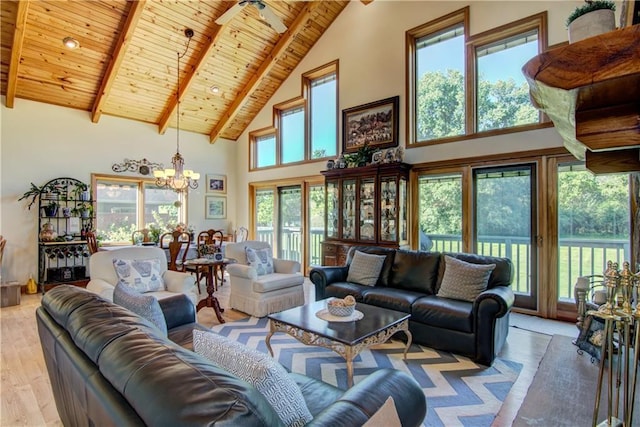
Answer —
303 101
140 214
537 21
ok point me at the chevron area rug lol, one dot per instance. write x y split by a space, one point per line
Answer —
459 392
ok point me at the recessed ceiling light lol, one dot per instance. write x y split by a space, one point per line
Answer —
214 89
71 43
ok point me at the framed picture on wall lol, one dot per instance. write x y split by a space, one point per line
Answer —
216 183
215 207
374 124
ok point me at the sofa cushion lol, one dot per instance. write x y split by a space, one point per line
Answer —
443 313
389 253
393 299
415 271
275 281
502 275
143 305
143 275
365 268
259 370
261 260
464 281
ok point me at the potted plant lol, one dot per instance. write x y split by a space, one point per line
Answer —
82 192
83 210
47 192
51 208
592 18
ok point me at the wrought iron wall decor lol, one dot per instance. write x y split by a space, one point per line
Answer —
143 167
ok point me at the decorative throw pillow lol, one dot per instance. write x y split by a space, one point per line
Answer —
386 416
261 260
365 268
143 275
259 370
463 280
145 306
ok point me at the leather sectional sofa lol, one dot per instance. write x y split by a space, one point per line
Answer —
110 367
409 282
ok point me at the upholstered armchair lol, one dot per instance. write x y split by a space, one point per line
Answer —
260 284
104 277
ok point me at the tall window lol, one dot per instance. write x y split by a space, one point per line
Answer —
593 224
264 218
436 72
323 106
292 135
306 126
440 213
125 205
440 91
460 85
265 150
502 93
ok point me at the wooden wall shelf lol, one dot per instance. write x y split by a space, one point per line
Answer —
591 92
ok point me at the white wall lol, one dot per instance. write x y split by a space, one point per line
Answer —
40 142
369 41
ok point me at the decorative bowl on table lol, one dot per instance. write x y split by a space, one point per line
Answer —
342 307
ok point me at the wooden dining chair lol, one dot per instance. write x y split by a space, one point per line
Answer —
241 234
177 243
140 236
92 242
207 242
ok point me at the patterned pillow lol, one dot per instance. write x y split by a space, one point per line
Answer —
145 306
365 268
143 275
463 280
261 260
259 370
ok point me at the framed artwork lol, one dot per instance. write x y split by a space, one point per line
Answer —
216 183
374 124
215 207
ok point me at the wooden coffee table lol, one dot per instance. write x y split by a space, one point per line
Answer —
347 339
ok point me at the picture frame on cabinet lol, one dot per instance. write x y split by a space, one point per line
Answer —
374 124
215 207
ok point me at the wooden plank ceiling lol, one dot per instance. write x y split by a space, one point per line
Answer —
127 60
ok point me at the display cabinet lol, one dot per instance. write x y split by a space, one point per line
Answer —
66 213
365 206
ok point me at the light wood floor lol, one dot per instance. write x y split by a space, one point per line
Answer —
26 394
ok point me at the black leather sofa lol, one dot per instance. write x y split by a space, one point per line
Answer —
110 367
409 282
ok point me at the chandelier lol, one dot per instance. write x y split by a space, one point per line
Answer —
178 178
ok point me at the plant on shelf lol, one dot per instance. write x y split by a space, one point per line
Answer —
84 210
82 191
50 209
34 192
590 6
361 157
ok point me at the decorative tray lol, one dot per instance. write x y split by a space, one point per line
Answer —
325 315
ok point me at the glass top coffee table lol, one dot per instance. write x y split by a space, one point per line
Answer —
347 339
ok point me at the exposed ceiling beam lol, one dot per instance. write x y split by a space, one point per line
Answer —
188 80
280 48
16 52
137 7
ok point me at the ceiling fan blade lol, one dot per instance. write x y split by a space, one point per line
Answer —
273 20
229 14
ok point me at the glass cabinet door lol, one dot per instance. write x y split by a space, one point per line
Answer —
332 209
388 209
367 209
402 213
349 209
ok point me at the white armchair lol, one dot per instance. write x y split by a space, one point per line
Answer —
104 278
261 295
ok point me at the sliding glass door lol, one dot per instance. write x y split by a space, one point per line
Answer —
506 225
290 223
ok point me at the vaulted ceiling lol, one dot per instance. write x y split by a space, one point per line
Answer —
126 63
